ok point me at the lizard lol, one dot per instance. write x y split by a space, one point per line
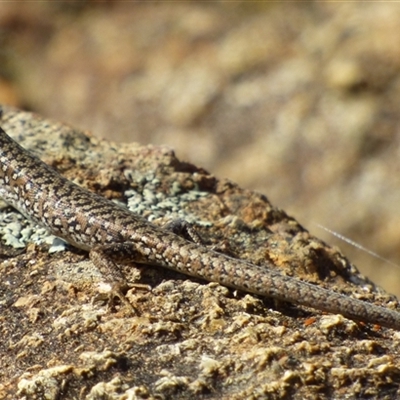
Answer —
109 231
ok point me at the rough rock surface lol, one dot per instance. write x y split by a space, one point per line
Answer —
189 339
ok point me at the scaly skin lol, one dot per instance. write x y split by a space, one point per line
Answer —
95 224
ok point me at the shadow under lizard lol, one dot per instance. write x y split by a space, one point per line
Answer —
105 229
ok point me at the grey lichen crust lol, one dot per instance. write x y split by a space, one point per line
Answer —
187 338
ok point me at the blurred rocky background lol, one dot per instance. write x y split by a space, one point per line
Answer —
298 101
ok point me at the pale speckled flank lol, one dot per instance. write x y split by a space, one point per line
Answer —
93 223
